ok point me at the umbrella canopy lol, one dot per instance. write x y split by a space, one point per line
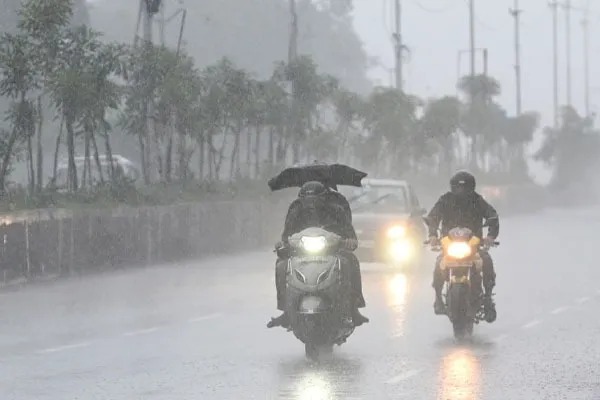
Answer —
328 174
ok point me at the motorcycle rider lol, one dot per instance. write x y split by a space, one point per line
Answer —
462 206
310 209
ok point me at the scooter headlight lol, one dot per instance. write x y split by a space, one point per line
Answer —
459 250
396 232
313 244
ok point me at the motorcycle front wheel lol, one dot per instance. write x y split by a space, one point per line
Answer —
458 303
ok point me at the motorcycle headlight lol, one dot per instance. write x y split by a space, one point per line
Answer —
313 244
396 232
459 250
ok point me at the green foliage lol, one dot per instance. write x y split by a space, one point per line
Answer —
220 125
571 149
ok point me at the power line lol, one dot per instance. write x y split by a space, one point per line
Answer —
434 11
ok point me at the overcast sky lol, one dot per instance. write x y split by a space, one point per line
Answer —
435 30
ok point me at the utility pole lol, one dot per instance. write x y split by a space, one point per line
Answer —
294 125
554 7
472 35
398 46
515 12
149 8
293 44
567 7
586 59
162 25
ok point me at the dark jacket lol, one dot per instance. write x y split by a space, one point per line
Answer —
317 212
339 199
469 212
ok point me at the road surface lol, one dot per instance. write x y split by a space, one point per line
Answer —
197 331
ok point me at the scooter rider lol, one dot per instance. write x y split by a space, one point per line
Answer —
309 210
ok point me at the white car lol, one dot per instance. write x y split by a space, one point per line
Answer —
388 221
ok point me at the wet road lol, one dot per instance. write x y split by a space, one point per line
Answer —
197 331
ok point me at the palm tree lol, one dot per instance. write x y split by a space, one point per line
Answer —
20 80
477 121
518 132
441 121
391 120
571 150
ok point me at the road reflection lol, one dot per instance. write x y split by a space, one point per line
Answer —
396 292
460 376
336 378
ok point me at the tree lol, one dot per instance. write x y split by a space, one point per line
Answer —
478 120
441 122
44 25
19 80
72 87
350 110
392 122
572 150
309 91
518 132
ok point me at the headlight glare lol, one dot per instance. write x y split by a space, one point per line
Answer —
313 244
459 250
396 232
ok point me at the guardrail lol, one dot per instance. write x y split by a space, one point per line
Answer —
52 243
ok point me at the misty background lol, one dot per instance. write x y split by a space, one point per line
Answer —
354 44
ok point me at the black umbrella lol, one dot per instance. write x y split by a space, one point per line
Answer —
328 174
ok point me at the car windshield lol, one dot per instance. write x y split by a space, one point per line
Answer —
377 199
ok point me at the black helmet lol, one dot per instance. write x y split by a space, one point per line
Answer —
462 183
312 188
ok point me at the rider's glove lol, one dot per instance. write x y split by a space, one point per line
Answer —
488 241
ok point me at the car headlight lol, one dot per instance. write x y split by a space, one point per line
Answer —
459 250
313 244
401 250
396 232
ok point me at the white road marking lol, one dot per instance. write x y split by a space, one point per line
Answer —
404 376
582 300
532 324
204 318
141 332
62 348
559 310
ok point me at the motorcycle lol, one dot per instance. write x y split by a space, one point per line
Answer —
460 261
317 298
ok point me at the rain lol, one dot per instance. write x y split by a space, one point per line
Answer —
239 199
